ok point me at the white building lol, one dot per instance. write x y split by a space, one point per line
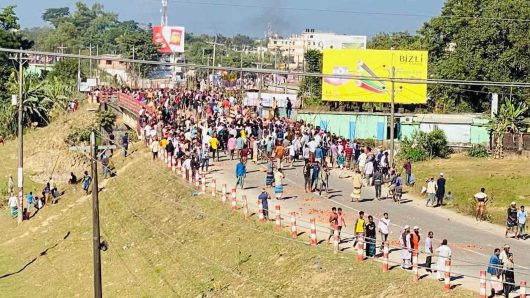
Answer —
292 49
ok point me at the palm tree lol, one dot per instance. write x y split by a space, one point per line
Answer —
510 119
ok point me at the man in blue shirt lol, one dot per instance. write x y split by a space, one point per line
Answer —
241 172
264 197
495 271
522 215
30 201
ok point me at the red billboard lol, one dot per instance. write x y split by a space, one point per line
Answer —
170 39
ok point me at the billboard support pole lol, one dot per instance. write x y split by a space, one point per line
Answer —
392 100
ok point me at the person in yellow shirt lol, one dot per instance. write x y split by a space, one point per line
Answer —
214 144
359 228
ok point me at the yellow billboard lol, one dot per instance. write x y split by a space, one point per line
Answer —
372 72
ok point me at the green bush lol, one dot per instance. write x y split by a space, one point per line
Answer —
410 150
478 150
368 142
81 135
106 120
424 145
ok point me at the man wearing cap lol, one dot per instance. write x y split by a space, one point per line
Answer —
406 245
431 192
511 220
440 190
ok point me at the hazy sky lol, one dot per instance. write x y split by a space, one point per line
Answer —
227 18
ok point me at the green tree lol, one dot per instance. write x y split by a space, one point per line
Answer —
510 119
10 37
311 87
66 69
477 40
55 16
396 40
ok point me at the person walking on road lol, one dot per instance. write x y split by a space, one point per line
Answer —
333 219
324 179
314 177
428 251
511 220
86 182
494 270
11 184
278 184
522 215
125 143
383 227
264 198
378 183
444 253
357 181
408 172
307 177
269 179
508 276
370 237
155 147
440 190
241 172
431 192
481 199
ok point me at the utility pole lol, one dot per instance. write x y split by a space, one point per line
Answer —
90 54
79 72
97 61
95 217
20 178
241 74
392 101
134 66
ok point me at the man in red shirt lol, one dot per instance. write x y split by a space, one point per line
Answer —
348 153
415 239
333 219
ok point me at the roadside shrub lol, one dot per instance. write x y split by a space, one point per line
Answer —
478 150
80 135
424 146
106 120
434 143
410 150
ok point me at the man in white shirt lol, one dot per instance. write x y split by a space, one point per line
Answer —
13 206
428 251
383 228
444 253
431 192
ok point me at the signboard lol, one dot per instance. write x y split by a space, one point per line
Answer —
494 104
372 69
84 87
170 39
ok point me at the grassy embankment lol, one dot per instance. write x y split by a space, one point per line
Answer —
165 243
505 180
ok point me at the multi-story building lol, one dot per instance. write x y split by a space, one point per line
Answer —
290 51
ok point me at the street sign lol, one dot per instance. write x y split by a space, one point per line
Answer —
86 149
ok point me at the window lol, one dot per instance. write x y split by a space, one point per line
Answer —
275 42
108 62
310 36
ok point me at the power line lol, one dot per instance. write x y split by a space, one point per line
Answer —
357 12
282 72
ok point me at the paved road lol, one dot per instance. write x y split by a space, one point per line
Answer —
472 243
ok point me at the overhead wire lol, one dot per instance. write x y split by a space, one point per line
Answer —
515 84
